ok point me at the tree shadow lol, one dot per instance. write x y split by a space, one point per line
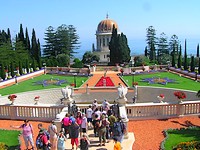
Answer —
187 123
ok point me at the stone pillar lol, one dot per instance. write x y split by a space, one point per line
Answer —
59 118
123 114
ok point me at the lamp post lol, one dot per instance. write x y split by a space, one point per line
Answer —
75 74
133 78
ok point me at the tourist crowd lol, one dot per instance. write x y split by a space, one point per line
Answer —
103 119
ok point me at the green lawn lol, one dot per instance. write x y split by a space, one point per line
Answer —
29 85
183 83
12 135
177 136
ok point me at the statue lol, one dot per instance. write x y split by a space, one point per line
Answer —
122 91
67 93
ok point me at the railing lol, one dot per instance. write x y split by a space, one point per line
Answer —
134 111
158 110
39 113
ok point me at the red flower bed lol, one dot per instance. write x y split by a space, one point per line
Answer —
105 81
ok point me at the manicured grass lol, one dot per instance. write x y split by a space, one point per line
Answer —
182 83
184 135
10 138
29 85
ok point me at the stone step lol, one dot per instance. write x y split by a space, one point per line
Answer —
94 142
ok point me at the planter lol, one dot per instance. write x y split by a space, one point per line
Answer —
36 101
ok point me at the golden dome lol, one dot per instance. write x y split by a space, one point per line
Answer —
106 25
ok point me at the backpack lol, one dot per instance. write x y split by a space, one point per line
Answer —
83 144
39 142
117 128
47 134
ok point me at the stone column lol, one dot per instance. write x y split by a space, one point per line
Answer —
123 114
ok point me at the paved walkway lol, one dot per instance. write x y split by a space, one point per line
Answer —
97 75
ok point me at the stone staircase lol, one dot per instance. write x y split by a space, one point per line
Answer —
94 142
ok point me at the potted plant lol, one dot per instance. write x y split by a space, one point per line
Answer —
161 98
36 99
12 98
180 95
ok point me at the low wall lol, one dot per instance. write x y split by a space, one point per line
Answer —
21 78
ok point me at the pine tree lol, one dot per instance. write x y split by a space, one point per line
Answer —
151 42
146 51
34 47
198 50
185 57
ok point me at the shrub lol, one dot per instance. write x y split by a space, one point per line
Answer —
3 146
192 145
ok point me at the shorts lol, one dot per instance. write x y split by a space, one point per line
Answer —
89 120
74 140
83 130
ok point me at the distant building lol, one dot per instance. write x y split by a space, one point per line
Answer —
103 37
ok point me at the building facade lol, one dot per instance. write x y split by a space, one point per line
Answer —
103 37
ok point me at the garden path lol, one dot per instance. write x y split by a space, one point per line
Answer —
97 75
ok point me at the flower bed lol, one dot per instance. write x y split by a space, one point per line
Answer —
105 81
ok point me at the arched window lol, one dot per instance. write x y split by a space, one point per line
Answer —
104 42
108 41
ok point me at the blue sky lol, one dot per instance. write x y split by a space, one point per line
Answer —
180 17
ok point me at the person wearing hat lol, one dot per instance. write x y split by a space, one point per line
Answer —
117 145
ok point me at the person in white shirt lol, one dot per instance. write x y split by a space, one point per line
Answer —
89 112
53 135
94 105
105 104
83 124
98 112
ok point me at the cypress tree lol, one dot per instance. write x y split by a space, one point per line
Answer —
173 60
185 58
198 50
180 58
3 74
27 65
27 42
192 67
39 55
12 69
20 68
114 52
21 34
34 47
199 66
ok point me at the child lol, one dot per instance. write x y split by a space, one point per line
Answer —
84 142
61 141
117 145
